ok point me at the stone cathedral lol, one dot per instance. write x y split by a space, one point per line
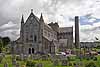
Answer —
37 36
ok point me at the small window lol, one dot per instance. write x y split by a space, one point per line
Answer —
26 39
31 36
35 38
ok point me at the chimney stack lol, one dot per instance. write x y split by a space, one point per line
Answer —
77 41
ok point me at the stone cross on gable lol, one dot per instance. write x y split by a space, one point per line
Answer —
31 10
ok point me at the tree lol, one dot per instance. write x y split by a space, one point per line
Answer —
1 44
5 41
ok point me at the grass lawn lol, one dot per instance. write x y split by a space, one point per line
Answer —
49 63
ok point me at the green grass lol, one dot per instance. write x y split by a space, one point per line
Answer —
48 63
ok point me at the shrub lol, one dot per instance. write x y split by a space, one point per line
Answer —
30 64
74 64
92 57
18 58
90 64
1 59
95 58
98 47
70 64
71 58
87 58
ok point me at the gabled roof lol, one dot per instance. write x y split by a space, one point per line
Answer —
65 29
32 15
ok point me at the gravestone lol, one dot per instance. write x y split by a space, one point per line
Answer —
55 62
52 57
17 65
5 65
25 57
73 52
44 57
35 57
21 56
63 57
3 55
39 65
13 61
70 64
81 64
64 62
76 65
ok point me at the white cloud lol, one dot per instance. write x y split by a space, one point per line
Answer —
13 34
92 20
8 25
10 29
89 32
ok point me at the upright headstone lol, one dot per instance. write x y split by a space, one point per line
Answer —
5 65
80 63
76 65
55 62
21 56
39 65
25 57
17 65
13 61
44 57
64 62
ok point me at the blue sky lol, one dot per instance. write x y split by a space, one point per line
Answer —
85 20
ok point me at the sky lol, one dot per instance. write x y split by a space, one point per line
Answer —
61 11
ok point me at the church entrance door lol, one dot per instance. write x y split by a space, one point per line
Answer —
32 50
29 50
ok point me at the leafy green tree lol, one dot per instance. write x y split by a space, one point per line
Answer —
1 44
5 41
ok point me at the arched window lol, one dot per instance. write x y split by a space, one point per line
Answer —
32 50
35 38
29 50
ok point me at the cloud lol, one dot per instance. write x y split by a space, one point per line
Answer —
13 34
8 25
61 11
10 29
89 32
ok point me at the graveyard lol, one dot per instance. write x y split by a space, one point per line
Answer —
49 60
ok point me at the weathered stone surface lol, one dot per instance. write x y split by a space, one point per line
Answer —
17 65
44 57
39 65
55 62
64 62
5 65
13 61
36 36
